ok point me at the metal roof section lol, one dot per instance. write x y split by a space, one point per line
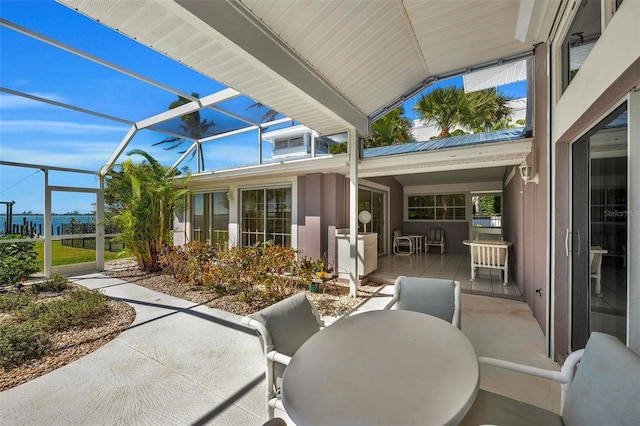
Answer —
504 135
478 151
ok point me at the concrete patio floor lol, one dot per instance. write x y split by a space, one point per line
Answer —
184 364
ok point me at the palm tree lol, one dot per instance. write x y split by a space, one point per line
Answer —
192 125
446 107
489 110
142 198
393 128
449 107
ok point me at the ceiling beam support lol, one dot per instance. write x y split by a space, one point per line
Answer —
251 39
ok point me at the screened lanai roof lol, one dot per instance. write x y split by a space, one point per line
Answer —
328 65
100 90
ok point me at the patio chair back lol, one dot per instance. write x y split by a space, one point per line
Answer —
437 297
604 390
606 387
435 237
283 327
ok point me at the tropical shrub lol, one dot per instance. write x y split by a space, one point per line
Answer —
188 263
143 198
17 260
263 273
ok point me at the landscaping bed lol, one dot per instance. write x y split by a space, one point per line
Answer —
334 301
47 325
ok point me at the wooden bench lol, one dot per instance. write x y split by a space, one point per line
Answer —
489 254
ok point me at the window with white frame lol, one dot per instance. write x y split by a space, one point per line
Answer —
266 216
210 219
437 207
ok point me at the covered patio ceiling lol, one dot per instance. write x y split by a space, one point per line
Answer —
331 65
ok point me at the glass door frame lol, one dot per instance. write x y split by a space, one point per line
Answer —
580 226
372 187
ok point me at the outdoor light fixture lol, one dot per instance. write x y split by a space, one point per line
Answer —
230 195
525 173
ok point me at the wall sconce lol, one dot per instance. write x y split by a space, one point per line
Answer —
230 195
525 173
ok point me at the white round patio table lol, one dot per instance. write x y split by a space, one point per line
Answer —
387 367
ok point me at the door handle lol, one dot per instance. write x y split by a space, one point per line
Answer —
566 242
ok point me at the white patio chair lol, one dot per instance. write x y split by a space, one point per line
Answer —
434 237
436 297
604 391
400 241
283 327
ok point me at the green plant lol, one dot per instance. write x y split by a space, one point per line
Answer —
448 107
81 308
17 260
55 284
10 302
189 263
21 342
144 197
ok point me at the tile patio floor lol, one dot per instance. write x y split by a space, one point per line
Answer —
452 266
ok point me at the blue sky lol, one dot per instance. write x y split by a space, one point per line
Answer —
38 133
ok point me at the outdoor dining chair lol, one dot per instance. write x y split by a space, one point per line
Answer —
283 327
434 237
402 241
605 389
437 297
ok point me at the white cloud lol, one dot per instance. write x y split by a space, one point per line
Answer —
15 102
89 157
59 127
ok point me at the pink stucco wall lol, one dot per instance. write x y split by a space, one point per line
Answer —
525 212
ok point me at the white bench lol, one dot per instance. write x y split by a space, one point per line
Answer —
489 254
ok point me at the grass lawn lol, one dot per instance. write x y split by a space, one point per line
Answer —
62 255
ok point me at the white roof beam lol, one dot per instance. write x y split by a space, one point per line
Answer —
183 156
532 18
36 166
169 115
249 38
193 106
246 129
123 145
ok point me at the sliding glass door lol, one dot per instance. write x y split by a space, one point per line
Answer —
373 202
599 231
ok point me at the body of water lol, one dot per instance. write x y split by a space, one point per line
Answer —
38 220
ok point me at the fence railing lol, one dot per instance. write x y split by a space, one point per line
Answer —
32 230
487 221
